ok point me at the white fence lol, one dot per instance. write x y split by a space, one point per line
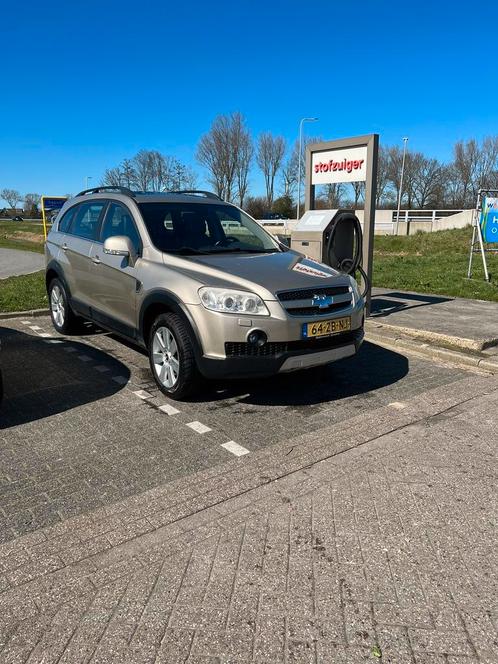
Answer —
410 221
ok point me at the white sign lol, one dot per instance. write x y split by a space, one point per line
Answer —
344 165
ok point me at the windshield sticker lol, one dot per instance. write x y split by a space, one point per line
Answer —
311 271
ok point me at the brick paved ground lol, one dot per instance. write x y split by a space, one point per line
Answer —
365 538
74 439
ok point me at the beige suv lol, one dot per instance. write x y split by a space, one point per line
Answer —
199 284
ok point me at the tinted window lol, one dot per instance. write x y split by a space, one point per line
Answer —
118 221
86 220
205 228
66 220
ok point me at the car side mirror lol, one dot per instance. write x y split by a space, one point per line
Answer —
120 245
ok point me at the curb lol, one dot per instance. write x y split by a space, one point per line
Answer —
433 352
31 313
458 343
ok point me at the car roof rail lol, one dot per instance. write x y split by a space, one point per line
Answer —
197 192
98 190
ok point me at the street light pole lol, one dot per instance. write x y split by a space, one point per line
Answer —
405 141
303 120
88 177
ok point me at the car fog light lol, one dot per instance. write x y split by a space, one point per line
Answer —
257 338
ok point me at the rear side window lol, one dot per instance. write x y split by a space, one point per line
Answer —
86 220
66 220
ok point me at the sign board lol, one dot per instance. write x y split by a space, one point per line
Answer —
347 160
489 219
53 203
49 204
344 165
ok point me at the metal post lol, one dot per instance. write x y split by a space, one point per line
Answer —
369 214
88 177
303 120
405 141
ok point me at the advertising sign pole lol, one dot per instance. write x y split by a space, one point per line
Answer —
348 160
484 227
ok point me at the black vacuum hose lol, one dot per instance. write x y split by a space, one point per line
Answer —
350 265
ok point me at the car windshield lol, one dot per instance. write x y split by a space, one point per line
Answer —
204 228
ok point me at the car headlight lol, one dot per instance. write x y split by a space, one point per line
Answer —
231 301
355 290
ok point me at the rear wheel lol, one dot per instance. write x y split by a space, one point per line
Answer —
63 318
172 358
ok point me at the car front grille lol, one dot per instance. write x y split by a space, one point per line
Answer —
300 302
308 293
275 349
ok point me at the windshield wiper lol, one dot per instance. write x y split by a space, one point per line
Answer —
230 250
185 251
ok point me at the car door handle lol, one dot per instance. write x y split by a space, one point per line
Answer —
96 260
64 247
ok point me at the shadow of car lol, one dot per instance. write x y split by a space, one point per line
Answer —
42 379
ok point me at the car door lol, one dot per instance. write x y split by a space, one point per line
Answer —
76 247
116 287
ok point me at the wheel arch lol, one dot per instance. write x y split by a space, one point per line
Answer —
161 301
54 271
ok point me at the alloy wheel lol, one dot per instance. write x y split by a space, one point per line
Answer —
57 306
165 357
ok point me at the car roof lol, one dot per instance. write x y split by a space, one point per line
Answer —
122 193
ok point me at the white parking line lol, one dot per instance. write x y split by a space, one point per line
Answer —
35 328
142 394
84 358
398 405
199 427
102 368
169 410
44 335
235 448
121 380
26 322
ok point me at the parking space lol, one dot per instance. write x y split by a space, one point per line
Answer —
83 425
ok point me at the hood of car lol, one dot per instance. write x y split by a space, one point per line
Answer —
266 274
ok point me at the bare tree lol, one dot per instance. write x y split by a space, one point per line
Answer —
427 181
180 176
216 153
487 165
31 202
382 176
270 153
112 177
128 174
244 150
12 196
331 194
289 174
358 191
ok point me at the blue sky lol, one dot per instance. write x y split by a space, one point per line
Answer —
86 84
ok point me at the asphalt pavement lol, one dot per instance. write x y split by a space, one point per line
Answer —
14 262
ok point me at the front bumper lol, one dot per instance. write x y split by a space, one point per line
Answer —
283 357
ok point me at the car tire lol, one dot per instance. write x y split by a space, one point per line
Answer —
172 357
63 318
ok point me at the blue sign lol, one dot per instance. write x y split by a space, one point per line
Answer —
489 219
53 203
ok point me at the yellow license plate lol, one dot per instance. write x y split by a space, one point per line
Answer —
325 328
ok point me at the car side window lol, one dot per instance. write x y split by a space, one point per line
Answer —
86 220
118 221
66 220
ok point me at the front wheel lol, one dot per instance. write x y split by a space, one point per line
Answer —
172 358
63 318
